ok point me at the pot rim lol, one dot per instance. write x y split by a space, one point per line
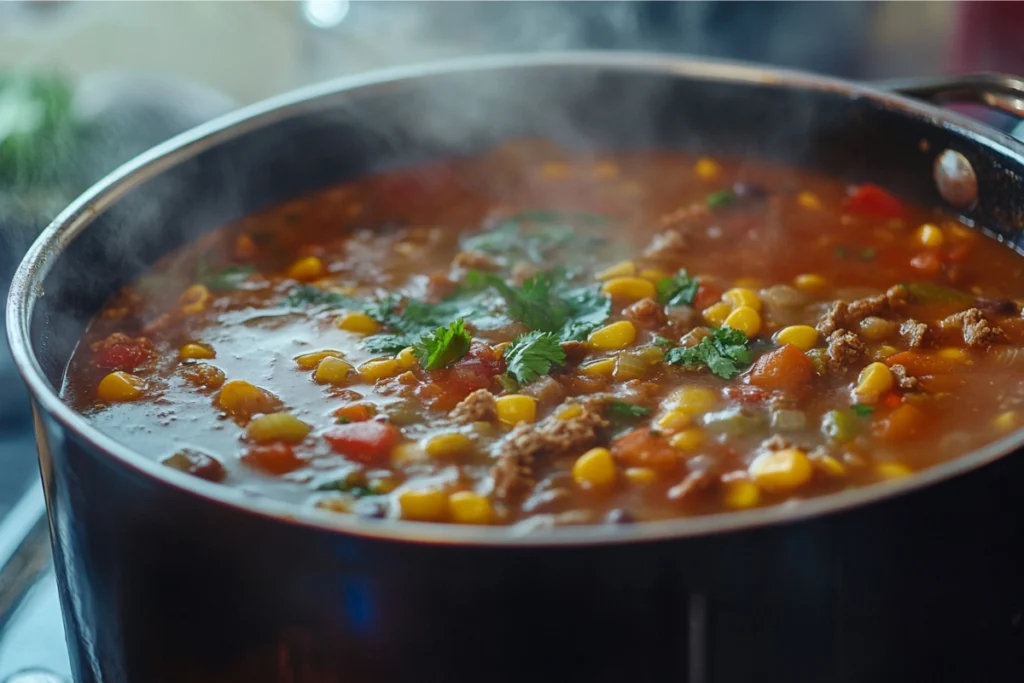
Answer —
26 288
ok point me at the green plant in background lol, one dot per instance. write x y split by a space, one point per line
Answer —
37 130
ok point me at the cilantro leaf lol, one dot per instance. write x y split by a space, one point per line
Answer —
308 295
531 234
221 280
444 347
388 343
531 355
677 290
662 342
724 351
589 309
862 410
628 410
720 199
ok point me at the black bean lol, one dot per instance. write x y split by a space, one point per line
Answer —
749 191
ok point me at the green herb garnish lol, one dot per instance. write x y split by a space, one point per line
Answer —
862 410
724 352
444 347
662 342
722 198
225 279
678 290
350 485
532 355
531 234
627 410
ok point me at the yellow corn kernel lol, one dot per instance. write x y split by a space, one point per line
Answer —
448 445
570 412
516 408
360 323
884 351
808 200
307 269
383 486
742 296
929 235
120 387
629 288
196 352
332 370
599 368
741 494
673 421
195 299
654 276
423 505
244 398
829 465
874 380
803 337
688 439
952 353
707 169
1006 422
782 470
308 361
715 314
467 507
596 467
373 370
613 337
641 475
693 400
277 427
406 358
408 453
622 269
809 282
749 283
746 320
554 169
891 470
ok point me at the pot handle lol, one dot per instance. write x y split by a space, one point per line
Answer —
1001 92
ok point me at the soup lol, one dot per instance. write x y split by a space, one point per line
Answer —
536 339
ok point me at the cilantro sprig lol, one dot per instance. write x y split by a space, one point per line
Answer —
622 409
532 355
677 290
224 279
724 352
444 347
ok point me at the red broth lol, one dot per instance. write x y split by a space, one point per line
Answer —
532 338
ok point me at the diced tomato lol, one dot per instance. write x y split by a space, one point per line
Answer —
891 399
643 448
744 393
927 263
121 352
871 200
787 368
356 412
903 423
366 442
275 458
476 370
706 295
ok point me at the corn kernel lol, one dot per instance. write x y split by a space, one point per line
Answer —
596 467
688 439
742 296
570 412
748 283
332 370
448 445
808 200
239 397
874 380
654 276
884 351
829 466
599 368
746 320
195 299
809 282
641 475
516 408
1006 422
629 288
623 269
741 494
373 370
613 337
308 361
360 323
277 427
707 169
892 470
952 353
307 269
673 421
120 387
782 470
467 507
196 352
423 505
803 337
693 400
715 314
929 235
406 359
408 453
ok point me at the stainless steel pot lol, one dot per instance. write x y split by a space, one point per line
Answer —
167 578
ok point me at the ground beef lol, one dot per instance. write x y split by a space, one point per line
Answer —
844 349
844 315
977 330
477 407
668 245
903 380
474 260
646 313
914 332
517 452
575 352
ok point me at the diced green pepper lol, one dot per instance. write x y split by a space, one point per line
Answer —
840 426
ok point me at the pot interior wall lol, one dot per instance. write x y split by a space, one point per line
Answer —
585 108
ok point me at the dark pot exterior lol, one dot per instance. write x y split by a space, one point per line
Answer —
164 580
